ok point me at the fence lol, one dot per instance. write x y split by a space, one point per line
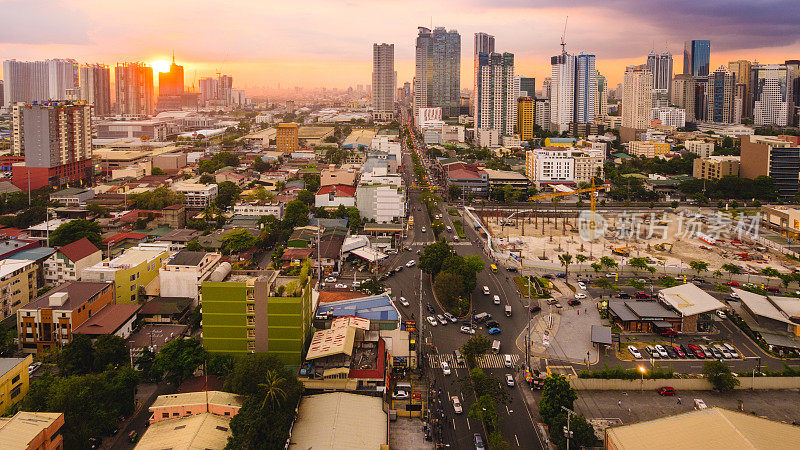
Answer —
681 384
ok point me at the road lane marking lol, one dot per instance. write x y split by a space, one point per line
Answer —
515 438
468 427
507 410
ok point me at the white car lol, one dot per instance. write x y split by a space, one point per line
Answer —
734 295
432 321
662 351
411 263
581 285
580 295
467 330
423 229
34 367
635 352
330 280
721 314
451 317
356 284
445 368
496 300
509 380
734 353
400 395
456 404
486 290
611 275
341 286
404 302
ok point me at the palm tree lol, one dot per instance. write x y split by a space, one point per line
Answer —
274 392
566 260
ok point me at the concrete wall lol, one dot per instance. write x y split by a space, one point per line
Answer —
681 384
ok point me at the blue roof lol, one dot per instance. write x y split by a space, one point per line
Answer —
11 244
375 307
559 140
33 254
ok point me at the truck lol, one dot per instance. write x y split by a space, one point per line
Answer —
508 310
495 346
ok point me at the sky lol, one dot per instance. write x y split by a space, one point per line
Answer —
328 43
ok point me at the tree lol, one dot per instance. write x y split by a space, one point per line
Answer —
608 261
719 375
433 255
157 171
485 410
698 266
306 197
157 199
295 215
581 258
556 393
76 230
604 284
178 359
227 194
77 357
448 288
97 209
641 263
194 246
596 266
7 342
207 178
273 387
566 260
236 241
454 191
582 432
732 269
353 218
770 272
110 351
477 344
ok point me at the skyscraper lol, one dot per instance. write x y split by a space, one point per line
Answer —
602 96
497 108
585 89
526 117
208 89
770 100
742 93
527 86
562 92
661 67
683 94
484 43
170 88
793 92
63 78
696 57
134 87
383 82
637 97
438 70
96 88
39 80
719 94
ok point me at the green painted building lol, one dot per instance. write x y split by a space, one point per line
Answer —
245 314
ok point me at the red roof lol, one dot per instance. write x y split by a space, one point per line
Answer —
339 190
78 250
119 237
108 320
10 232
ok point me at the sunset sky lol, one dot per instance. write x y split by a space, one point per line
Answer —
316 43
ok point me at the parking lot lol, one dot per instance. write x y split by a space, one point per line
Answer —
690 348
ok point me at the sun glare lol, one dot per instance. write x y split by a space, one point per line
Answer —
160 65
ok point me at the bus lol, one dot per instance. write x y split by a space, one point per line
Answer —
410 222
493 268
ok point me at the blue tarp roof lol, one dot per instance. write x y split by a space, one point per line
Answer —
376 307
33 254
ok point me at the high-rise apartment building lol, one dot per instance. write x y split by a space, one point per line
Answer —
696 57
383 82
96 88
585 89
602 96
63 78
484 43
683 94
719 94
527 86
27 82
526 117
770 99
637 97
562 92
134 88
437 73
497 110
793 92
56 140
2 93
661 67
286 138
547 87
170 88
742 93
208 89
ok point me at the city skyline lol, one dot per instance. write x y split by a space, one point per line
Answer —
303 49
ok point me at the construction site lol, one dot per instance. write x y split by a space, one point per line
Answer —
668 239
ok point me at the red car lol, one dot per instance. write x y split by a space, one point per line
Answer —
666 390
733 283
697 351
668 332
772 289
641 295
679 351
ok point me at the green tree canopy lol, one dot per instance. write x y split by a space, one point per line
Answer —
448 288
227 194
295 215
76 230
433 255
238 240
556 393
477 344
698 266
306 197
179 358
719 375
157 199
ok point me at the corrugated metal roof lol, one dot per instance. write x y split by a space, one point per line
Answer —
339 420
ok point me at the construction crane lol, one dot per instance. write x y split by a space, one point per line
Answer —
621 251
592 196
563 35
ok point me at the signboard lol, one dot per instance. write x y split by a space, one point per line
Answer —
429 115
546 340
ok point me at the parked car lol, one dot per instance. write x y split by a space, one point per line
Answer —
441 319
581 285
492 324
432 321
671 352
723 350
733 283
34 367
404 302
330 280
561 275
467 329
772 288
634 352
410 263
509 380
623 295
548 276
456 404
732 350
580 295
535 308
662 351
666 391
717 354
574 302
430 309
341 286
653 352
494 331
445 368
400 395
697 351
679 351
451 317
734 295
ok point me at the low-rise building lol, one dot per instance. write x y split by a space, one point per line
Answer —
204 430
18 285
339 420
184 272
259 209
51 319
380 202
783 219
170 161
334 196
14 381
648 149
134 268
173 406
332 177
68 262
715 167
702 149
72 196
196 195
775 318
695 306
32 431
500 178
471 179
112 320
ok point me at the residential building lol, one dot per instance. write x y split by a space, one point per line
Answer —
96 88
588 165
715 167
384 80
259 209
497 110
526 86
170 88
382 202
683 94
742 70
32 431
602 96
196 195
204 430
72 196
56 140
50 320
770 94
247 314
68 262
562 91
526 117
331 176
14 382
648 149
171 406
335 195
484 43
585 89
720 95
637 97
697 57
134 89
185 271
702 149
563 165
670 116
286 138
134 269
660 66
18 285
437 73
472 180
767 155
111 320
543 113
37 81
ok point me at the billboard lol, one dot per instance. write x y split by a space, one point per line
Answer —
428 115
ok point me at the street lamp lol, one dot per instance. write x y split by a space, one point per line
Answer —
642 370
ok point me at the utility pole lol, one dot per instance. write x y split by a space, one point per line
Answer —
567 432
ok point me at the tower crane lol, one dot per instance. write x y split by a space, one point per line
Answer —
563 35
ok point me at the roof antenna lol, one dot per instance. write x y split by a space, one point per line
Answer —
563 44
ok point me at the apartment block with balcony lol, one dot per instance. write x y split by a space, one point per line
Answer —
183 273
196 195
648 149
68 262
135 268
702 149
18 285
14 381
716 167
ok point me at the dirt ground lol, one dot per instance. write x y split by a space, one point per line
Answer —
545 238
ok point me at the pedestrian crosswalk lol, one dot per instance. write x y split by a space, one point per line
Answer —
484 361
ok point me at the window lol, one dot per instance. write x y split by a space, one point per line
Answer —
16 391
251 309
251 346
133 287
165 415
176 414
251 320
251 334
15 379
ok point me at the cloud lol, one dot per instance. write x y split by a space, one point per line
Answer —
42 22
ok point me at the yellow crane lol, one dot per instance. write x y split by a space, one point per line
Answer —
592 196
